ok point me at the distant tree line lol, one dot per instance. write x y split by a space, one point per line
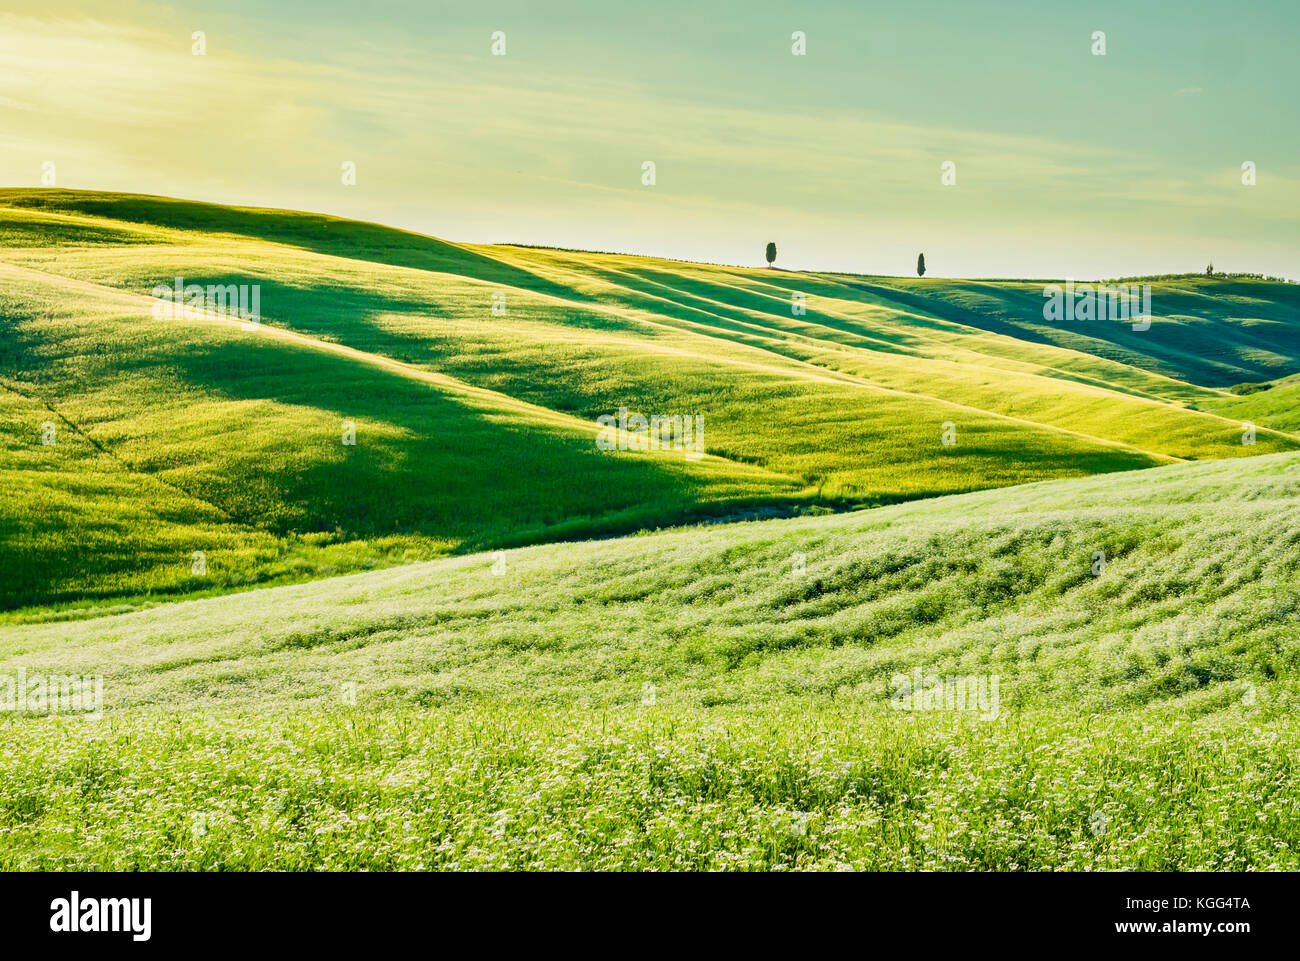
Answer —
1185 276
770 254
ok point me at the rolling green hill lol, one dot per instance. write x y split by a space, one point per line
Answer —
476 430
1276 404
1066 640
712 698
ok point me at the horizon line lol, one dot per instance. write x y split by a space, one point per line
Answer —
1225 275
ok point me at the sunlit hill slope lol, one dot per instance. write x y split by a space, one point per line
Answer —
146 456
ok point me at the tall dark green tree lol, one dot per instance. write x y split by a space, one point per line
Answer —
920 265
771 254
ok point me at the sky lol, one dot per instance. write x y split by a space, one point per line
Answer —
1067 163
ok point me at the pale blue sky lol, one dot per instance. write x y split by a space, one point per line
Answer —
1068 164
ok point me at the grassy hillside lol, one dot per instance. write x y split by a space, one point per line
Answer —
476 430
1276 404
718 697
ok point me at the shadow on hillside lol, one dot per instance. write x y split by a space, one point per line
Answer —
731 310
424 461
354 316
319 233
1197 337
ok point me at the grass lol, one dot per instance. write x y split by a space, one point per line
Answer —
495 711
1277 404
475 431
487 790
472 639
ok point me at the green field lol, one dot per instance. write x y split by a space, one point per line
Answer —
475 430
474 639
702 699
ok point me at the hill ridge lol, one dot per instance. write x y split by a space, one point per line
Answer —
477 426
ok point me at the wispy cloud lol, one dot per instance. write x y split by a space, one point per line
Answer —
479 149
